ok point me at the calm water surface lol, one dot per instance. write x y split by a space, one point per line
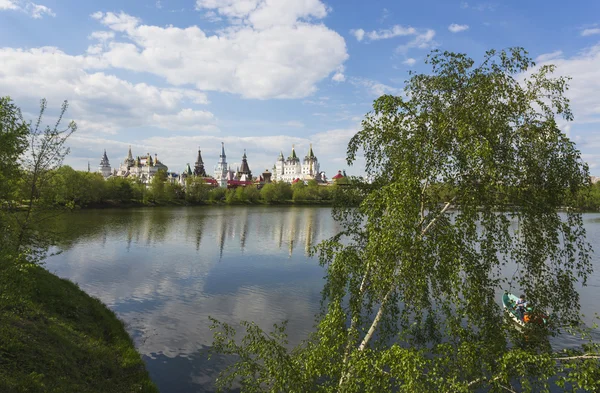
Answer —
165 270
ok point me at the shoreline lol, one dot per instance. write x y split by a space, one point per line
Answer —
55 337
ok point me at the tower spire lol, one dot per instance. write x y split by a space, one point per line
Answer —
199 166
294 152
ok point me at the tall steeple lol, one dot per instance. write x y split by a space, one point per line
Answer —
221 170
129 161
293 156
245 169
310 165
199 166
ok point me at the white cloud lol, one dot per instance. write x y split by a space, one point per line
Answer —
186 119
283 61
375 88
34 10
548 56
212 16
395 31
8 5
38 11
99 101
102 36
410 62
587 32
263 14
339 75
456 28
421 41
121 22
358 33
584 69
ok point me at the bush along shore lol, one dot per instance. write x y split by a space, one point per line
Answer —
56 338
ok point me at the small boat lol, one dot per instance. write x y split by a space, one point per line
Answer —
509 301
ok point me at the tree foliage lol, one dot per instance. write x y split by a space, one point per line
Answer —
13 142
414 280
38 159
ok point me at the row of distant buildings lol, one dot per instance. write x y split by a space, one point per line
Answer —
289 170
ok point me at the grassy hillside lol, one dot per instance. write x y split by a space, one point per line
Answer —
56 338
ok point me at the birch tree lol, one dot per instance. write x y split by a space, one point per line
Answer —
414 280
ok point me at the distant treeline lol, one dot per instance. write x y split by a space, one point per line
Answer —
506 198
69 187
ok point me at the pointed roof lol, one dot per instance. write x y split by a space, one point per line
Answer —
310 152
222 149
104 160
245 169
188 170
129 155
338 176
280 157
199 166
199 158
293 156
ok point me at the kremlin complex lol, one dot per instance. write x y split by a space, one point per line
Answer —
288 170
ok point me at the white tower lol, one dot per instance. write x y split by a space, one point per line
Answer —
221 168
278 169
310 166
293 168
104 167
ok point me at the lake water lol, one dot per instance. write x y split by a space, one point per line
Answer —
164 271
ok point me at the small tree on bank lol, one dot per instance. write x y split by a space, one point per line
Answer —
412 299
45 153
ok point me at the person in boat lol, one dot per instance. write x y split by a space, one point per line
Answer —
521 306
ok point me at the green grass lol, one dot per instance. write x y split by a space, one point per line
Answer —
56 338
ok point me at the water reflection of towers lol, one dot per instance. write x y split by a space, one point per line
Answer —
219 229
258 228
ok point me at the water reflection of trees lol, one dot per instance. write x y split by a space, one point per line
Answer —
265 228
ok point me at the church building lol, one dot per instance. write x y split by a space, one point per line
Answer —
290 169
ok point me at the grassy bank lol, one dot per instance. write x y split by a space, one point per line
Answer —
56 338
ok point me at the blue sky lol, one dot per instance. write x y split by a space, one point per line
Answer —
170 76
